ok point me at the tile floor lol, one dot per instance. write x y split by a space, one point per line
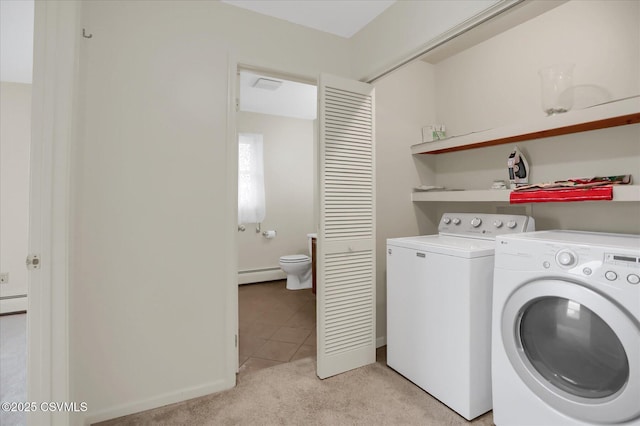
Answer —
276 325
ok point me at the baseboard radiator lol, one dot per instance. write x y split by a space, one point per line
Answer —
258 275
13 304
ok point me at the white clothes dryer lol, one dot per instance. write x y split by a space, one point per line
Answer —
566 329
439 307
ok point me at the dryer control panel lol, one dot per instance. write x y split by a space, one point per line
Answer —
602 259
614 261
607 267
622 259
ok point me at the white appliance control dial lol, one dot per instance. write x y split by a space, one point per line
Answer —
484 226
633 279
610 275
566 258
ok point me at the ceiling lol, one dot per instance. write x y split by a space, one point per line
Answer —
343 18
290 99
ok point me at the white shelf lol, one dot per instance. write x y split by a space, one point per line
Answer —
467 195
626 193
621 193
618 113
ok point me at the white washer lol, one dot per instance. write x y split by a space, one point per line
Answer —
439 307
566 329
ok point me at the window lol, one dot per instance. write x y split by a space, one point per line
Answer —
251 203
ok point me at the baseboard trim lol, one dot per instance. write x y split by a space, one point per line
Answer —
158 401
381 341
260 275
14 304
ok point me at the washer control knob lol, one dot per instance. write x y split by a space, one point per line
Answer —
566 258
497 223
456 221
446 220
512 224
633 279
610 275
476 221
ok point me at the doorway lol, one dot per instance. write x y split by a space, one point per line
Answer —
276 325
15 140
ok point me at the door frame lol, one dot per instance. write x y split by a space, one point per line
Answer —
56 36
234 102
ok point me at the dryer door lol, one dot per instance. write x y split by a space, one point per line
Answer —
574 348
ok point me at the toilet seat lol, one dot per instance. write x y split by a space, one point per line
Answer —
295 258
298 270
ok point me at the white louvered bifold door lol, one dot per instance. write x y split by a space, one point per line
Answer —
346 299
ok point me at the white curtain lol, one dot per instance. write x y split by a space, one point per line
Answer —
251 204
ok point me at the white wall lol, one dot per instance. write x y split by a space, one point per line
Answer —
400 115
288 166
405 29
265 42
15 139
149 280
152 293
496 83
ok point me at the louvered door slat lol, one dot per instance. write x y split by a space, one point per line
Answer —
347 129
342 116
346 245
345 135
344 101
352 126
340 138
355 190
346 153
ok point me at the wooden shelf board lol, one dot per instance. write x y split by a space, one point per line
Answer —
619 113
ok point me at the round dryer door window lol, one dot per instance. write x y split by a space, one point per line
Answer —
575 349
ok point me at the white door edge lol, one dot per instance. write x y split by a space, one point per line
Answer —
232 221
56 38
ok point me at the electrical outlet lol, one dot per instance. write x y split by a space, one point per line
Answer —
4 278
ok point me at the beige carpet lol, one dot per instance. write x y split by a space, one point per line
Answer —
291 394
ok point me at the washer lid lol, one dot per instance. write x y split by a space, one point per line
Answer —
295 258
447 245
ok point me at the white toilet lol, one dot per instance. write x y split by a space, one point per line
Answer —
298 269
